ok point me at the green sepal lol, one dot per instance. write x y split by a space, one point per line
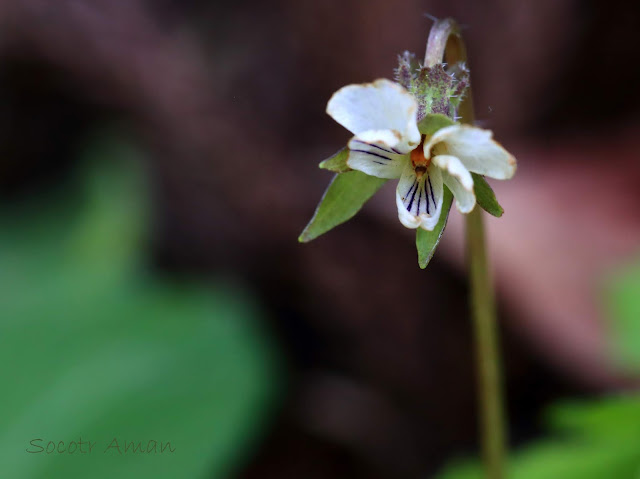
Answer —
433 122
338 162
344 197
485 196
427 241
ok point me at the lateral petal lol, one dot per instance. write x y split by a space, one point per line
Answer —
475 148
376 159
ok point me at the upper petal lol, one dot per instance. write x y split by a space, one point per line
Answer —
376 159
381 105
458 180
419 200
475 149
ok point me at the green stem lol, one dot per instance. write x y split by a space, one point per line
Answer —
487 349
445 44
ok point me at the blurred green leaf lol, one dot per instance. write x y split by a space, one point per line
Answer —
623 305
338 162
613 417
427 241
485 196
561 460
591 440
100 349
344 197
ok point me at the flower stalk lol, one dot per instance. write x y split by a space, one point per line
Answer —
445 44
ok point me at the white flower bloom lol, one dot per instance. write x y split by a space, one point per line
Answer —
383 117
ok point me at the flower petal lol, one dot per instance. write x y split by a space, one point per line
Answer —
381 105
458 180
376 159
419 200
475 149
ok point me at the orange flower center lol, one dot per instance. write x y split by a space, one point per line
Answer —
418 160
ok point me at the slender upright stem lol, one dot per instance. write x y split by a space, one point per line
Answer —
487 348
445 44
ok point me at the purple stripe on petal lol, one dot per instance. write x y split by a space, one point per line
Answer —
410 189
435 205
375 146
372 153
413 197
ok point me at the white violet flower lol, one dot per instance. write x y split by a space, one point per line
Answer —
387 143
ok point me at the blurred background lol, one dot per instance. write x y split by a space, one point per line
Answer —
158 160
